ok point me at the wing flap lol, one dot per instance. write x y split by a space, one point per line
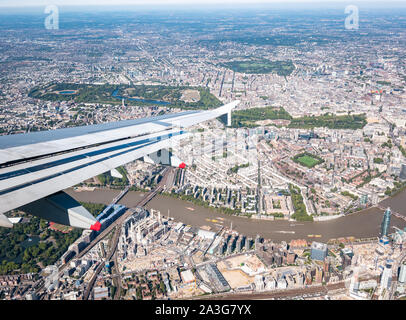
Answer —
164 157
5 222
35 191
63 209
49 147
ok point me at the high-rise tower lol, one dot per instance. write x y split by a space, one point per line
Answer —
402 273
385 223
386 276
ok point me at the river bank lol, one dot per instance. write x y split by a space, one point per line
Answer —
362 224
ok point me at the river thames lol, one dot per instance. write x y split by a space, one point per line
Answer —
362 224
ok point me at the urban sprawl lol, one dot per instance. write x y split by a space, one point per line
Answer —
319 134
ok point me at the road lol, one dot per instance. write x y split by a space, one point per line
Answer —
279 294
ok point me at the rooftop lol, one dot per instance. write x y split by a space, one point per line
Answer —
319 246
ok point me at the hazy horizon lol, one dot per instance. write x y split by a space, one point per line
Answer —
161 4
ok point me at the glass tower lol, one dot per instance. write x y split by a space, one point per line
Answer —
385 223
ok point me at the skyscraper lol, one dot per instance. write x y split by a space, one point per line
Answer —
402 273
248 244
386 277
385 223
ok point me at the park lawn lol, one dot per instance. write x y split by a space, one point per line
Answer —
308 161
261 66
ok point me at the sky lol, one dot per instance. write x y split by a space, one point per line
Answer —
32 3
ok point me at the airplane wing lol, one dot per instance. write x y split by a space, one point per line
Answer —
35 167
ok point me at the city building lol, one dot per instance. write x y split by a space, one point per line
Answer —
187 276
100 293
346 261
318 251
386 276
259 283
385 223
402 273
